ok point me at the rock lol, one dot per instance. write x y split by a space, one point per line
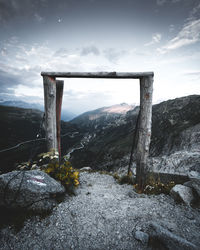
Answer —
132 194
161 238
141 236
35 167
86 169
105 219
194 177
31 190
177 163
182 193
188 184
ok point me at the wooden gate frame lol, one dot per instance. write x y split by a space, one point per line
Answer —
53 92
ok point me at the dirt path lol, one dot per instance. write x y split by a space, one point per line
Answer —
103 215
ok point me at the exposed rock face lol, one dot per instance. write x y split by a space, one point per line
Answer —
176 126
18 125
180 162
104 137
32 190
175 134
182 194
103 118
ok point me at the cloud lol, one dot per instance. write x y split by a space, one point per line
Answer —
162 2
7 82
90 50
189 34
155 39
194 13
171 28
9 9
193 73
80 101
39 18
21 64
62 52
114 55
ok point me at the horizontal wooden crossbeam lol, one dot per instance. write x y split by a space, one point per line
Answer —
112 75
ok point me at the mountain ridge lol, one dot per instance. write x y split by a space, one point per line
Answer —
106 143
173 122
65 114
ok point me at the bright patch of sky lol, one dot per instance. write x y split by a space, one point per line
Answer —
92 35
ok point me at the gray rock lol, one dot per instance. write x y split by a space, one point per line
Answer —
188 184
132 194
31 190
164 239
105 219
86 169
141 236
179 162
194 177
182 193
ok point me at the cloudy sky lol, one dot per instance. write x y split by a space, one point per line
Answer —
99 35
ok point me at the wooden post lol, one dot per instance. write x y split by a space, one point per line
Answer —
50 112
59 95
144 136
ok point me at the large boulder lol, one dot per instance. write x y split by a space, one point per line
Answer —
31 190
182 193
161 238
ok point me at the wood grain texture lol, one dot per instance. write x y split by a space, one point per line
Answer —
144 133
59 95
112 75
50 112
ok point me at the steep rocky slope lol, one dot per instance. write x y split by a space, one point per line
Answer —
104 137
102 118
18 125
175 127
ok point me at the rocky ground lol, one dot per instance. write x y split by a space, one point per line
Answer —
106 215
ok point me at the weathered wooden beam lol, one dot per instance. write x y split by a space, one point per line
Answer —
50 112
144 133
59 95
112 75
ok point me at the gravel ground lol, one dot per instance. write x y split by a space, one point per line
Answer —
103 215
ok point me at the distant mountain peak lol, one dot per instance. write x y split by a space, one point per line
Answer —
122 108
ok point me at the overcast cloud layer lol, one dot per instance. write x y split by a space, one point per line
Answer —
99 35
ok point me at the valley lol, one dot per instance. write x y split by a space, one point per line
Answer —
102 138
102 212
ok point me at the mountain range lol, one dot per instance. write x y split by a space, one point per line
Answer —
65 115
104 137
175 128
